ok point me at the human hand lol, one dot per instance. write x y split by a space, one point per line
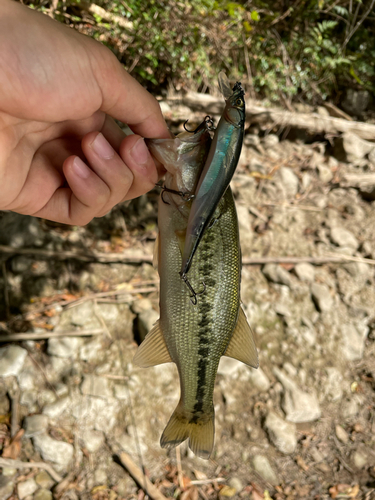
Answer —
62 156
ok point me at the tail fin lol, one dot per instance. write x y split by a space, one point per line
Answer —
200 432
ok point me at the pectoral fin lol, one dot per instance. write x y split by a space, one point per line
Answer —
153 350
242 345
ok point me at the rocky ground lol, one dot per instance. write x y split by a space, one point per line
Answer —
301 426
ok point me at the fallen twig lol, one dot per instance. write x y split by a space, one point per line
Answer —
18 464
179 469
295 206
141 479
89 256
329 259
198 482
13 337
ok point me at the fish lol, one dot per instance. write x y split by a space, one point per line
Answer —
218 170
195 337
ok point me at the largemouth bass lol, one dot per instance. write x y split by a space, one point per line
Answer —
218 170
194 337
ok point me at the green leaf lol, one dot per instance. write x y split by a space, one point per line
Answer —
255 16
355 76
247 26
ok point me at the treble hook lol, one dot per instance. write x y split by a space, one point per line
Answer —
194 294
207 123
185 196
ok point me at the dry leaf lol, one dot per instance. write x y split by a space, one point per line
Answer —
50 312
344 490
5 419
227 491
45 326
13 450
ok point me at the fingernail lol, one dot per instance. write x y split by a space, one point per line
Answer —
80 168
140 152
102 147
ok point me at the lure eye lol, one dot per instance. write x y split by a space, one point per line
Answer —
239 102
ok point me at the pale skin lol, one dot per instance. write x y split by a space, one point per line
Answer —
62 156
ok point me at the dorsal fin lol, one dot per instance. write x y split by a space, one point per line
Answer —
242 345
153 350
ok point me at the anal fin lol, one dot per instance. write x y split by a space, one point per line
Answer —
242 345
153 350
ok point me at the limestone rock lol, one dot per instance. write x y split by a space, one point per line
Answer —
58 452
343 238
12 358
26 488
35 424
64 347
93 440
282 434
43 494
262 465
350 147
96 386
305 271
289 181
353 341
322 297
146 321
299 406
44 480
6 487
277 274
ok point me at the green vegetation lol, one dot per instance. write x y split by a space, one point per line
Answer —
309 50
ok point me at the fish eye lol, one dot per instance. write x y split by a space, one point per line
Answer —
239 102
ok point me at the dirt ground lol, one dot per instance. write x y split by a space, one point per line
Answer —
301 426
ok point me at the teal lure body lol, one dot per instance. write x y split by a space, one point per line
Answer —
218 170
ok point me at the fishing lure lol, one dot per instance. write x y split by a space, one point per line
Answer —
218 170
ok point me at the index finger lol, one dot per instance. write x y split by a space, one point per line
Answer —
125 99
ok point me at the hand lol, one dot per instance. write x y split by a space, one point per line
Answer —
62 156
